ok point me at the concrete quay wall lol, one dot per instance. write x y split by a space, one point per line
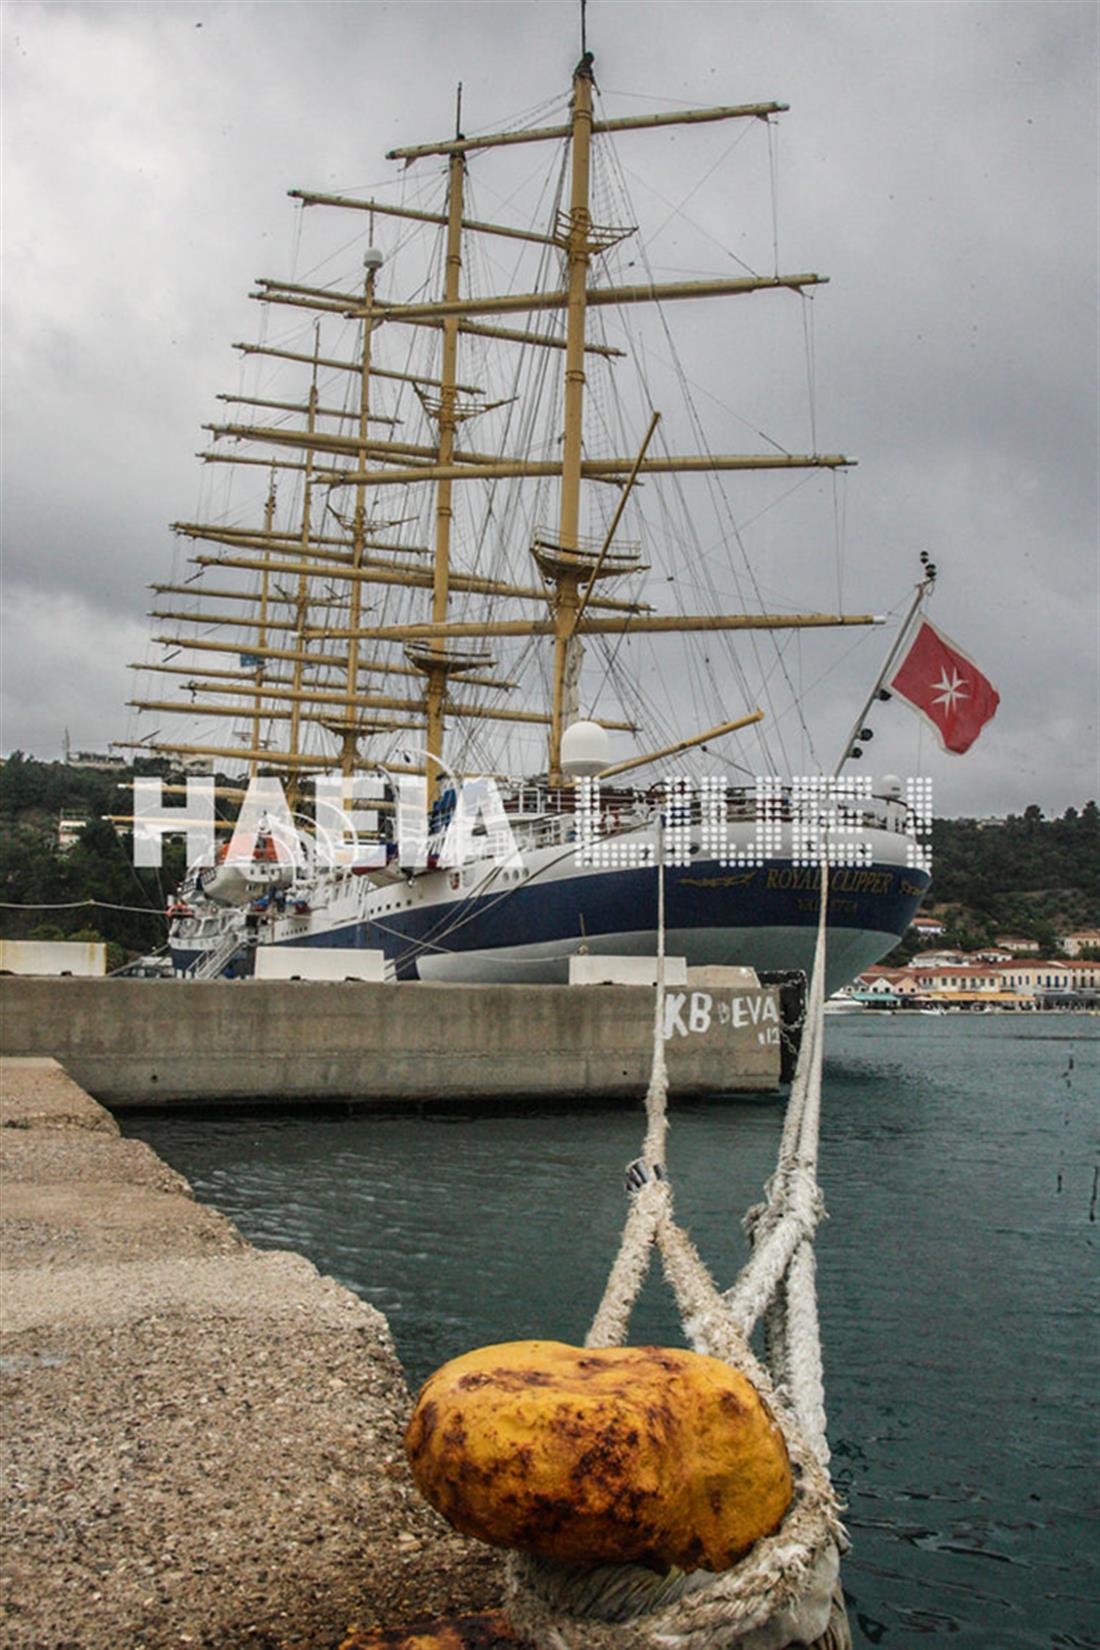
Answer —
151 1042
202 1443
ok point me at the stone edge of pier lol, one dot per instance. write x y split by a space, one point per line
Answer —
155 1043
202 1441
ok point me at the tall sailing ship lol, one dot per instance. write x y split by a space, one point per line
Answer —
433 562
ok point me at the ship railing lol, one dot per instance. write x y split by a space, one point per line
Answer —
628 807
549 831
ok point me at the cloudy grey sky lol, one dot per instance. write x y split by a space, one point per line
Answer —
939 163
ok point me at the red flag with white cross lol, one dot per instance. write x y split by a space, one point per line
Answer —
946 687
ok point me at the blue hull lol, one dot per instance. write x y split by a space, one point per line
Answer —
703 903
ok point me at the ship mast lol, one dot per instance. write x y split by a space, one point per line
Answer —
569 569
567 585
290 677
269 518
433 657
350 732
301 612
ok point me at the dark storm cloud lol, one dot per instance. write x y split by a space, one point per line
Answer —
938 164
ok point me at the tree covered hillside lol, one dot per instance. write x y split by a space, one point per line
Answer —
43 891
1031 876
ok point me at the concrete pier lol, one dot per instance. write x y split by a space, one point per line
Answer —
202 1443
162 1042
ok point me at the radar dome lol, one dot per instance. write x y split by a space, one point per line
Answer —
890 786
585 750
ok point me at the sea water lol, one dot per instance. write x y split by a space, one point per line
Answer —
958 1280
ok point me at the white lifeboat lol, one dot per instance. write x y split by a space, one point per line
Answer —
239 881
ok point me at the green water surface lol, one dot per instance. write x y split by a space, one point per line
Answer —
958 1279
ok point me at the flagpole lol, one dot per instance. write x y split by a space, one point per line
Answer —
891 659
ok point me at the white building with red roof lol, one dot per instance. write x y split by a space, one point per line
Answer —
927 928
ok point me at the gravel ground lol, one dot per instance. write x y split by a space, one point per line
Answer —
202 1445
62 1157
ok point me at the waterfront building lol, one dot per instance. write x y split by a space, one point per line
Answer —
1028 978
960 979
881 983
1032 977
977 983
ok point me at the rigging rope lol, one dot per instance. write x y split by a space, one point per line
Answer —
785 1590
721 504
78 904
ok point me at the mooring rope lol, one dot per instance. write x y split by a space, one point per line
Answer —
782 1591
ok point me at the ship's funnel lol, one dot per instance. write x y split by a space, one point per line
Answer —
585 750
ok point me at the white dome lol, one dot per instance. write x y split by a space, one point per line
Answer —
890 786
585 749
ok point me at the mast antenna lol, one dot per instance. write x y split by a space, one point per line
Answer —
584 30
458 111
